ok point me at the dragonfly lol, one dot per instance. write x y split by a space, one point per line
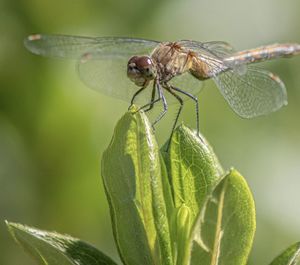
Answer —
157 69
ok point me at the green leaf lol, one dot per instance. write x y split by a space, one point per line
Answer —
226 225
51 248
193 171
291 256
134 178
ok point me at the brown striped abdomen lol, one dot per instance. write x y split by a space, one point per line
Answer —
263 53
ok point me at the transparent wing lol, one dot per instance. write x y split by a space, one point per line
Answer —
219 48
254 93
248 90
102 62
74 46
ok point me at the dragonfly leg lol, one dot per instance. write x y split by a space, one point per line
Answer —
196 105
153 100
134 96
165 105
149 104
169 89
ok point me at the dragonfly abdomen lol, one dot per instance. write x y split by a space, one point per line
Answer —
262 54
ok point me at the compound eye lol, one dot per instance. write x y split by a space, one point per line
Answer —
140 67
143 62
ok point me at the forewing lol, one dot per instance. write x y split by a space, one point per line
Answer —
102 62
75 46
256 92
219 48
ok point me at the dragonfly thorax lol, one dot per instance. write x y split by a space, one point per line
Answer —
140 70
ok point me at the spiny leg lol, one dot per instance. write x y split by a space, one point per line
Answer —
149 104
153 100
134 96
169 89
165 105
196 103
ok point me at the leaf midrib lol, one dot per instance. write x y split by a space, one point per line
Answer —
219 233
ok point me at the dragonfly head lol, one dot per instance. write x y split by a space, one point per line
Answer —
140 70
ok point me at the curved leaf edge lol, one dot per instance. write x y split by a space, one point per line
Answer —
73 250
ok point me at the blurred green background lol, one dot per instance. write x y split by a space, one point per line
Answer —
53 129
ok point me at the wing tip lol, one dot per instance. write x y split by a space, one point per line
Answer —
34 37
30 42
